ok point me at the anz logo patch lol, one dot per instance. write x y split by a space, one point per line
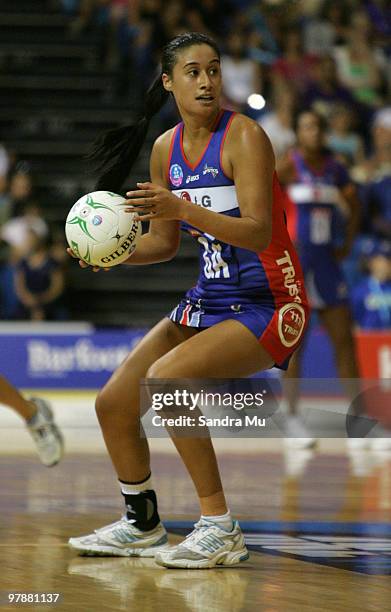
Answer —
367 555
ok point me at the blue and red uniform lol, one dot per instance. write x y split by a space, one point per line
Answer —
315 209
264 291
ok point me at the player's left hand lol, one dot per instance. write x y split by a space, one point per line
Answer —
154 202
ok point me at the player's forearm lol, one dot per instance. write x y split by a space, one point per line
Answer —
150 249
242 232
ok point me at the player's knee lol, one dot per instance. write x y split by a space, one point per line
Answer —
103 405
159 369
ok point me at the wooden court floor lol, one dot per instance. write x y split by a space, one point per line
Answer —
318 527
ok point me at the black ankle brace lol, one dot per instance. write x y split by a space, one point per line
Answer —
141 509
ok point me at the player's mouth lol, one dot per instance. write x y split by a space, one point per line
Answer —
205 98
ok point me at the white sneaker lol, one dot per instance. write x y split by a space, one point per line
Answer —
45 433
297 435
354 444
381 444
206 546
121 539
296 460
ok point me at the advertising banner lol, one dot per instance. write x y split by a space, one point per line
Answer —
76 356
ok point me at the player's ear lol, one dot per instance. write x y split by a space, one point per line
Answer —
167 82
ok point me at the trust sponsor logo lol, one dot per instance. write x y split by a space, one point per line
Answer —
291 321
289 273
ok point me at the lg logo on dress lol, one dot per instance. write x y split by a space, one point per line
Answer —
205 200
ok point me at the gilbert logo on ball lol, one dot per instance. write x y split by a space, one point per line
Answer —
99 231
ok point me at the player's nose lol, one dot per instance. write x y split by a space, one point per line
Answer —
204 80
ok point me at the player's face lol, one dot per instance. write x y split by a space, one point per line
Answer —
310 134
196 81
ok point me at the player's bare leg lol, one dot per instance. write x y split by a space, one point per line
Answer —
206 355
139 532
338 323
291 382
15 400
297 435
118 412
117 404
216 539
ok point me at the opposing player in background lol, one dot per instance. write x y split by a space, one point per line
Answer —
321 198
212 176
38 417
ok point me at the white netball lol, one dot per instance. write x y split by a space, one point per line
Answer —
99 231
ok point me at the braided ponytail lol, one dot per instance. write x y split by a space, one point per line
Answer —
113 153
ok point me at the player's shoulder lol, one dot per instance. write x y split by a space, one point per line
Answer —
241 124
163 142
247 135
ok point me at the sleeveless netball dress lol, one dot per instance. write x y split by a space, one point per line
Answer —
314 221
264 291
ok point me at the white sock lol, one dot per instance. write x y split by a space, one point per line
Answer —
133 489
222 520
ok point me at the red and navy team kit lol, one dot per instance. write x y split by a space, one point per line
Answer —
264 291
316 214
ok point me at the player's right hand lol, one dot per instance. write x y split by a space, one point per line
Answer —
83 264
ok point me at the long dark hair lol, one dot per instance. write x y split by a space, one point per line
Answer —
114 152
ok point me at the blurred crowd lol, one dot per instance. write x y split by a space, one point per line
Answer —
278 56
32 254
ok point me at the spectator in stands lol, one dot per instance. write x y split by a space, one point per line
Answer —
16 231
358 64
324 91
326 29
278 123
294 65
262 42
85 12
5 208
346 144
379 12
21 189
4 168
242 76
371 299
39 282
377 167
8 298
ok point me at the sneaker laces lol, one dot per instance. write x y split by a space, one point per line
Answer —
198 532
42 434
112 525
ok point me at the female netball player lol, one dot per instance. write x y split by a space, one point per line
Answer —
320 192
39 422
214 173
